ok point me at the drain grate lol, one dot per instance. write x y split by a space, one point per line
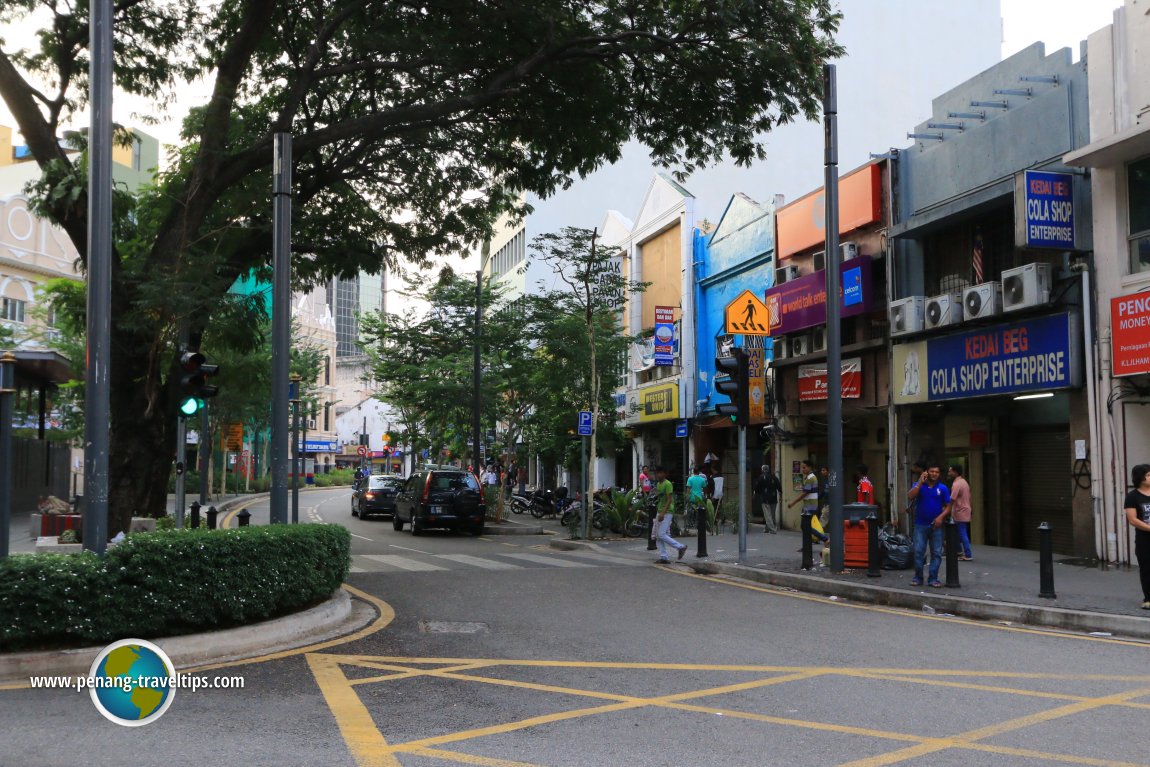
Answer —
452 627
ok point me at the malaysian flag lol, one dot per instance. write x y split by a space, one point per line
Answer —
976 259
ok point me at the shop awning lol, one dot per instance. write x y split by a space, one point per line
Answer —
1112 150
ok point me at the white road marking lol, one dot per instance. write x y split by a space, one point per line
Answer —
403 563
353 535
405 548
606 558
486 564
357 570
550 561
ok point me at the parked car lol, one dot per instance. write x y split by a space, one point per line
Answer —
375 496
440 498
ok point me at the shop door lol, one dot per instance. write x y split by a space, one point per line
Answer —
1045 488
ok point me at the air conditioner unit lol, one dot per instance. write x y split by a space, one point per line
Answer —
797 346
906 315
983 300
311 423
780 349
849 250
945 309
786 274
820 261
819 340
1025 286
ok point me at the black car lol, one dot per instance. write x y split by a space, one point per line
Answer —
440 498
375 496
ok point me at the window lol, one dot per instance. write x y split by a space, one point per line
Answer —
12 309
1138 194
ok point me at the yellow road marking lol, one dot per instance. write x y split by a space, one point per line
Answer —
366 743
457 756
980 687
732 580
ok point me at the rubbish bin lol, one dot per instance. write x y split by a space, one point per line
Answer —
855 533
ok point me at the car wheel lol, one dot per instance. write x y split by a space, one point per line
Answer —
396 523
354 511
477 531
416 529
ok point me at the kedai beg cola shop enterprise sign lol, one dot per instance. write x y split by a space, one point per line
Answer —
1048 202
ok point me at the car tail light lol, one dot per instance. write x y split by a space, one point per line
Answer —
369 496
427 487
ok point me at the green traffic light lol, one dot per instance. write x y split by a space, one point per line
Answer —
191 406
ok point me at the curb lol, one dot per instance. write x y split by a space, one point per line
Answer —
505 529
965 607
335 617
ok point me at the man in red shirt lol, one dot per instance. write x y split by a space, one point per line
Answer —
865 491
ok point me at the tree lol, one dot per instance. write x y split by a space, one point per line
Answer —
410 136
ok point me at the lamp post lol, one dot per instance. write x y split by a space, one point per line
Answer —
485 254
7 390
293 390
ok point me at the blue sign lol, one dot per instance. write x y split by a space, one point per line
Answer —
681 429
664 336
1049 199
1036 355
320 446
585 423
852 286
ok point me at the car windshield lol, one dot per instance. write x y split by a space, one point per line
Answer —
454 481
388 483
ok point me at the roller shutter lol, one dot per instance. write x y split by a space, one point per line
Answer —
1046 487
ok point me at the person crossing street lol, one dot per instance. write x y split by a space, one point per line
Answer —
665 493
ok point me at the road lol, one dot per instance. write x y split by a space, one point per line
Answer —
498 651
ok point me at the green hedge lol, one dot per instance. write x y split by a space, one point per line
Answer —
169 583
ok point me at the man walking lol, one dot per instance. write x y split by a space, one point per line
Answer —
665 493
960 507
931 502
768 488
810 497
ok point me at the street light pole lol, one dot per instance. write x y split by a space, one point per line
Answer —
485 253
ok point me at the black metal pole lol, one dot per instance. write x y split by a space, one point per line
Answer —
195 514
1045 563
211 517
476 371
701 525
834 339
97 378
952 547
281 324
7 391
805 527
295 462
202 454
874 552
651 510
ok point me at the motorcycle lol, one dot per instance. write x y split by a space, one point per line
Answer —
544 503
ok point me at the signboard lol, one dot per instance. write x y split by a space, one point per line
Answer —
585 423
801 303
756 379
664 335
1039 354
1130 334
1048 202
319 446
802 223
747 315
659 403
681 429
233 437
813 380
361 450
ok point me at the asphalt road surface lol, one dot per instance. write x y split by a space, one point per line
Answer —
499 651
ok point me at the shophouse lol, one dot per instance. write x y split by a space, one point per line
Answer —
733 265
990 253
1117 161
797 311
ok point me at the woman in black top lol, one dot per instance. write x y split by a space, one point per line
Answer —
1137 505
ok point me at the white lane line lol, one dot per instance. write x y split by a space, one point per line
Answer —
549 561
605 558
353 535
403 563
357 570
405 548
486 564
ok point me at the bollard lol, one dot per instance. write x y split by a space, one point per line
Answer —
244 517
211 517
873 551
805 526
651 527
1045 563
701 528
195 514
952 549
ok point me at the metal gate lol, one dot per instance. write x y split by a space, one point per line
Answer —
1045 488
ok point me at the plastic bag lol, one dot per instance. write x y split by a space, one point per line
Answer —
897 549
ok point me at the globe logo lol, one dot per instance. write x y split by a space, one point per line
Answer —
131 682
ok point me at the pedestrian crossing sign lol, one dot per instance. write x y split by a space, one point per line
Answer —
747 315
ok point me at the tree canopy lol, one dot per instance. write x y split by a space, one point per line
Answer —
414 125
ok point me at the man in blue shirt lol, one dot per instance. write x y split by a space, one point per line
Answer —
930 505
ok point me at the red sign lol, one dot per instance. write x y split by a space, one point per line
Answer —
1130 334
813 380
362 450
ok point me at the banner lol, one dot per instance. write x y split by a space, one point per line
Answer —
664 335
813 380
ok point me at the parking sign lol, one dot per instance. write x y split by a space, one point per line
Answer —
585 423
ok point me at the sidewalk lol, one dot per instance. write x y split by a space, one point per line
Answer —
999 584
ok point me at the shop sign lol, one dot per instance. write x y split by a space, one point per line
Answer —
664 335
1047 200
1040 354
756 375
801 303
802 223
813 380
320 446
659 403
1130 334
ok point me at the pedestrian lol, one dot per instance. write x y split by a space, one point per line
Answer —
512 478
768 489
864 493
645 484
665 492
491 476
809 496
696 489
1137 505
931 501
716 485
960 507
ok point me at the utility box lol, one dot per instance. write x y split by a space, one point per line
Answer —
856 538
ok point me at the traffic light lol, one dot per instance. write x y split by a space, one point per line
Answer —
733 379
194 386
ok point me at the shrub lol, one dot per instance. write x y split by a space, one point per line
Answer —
168 583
